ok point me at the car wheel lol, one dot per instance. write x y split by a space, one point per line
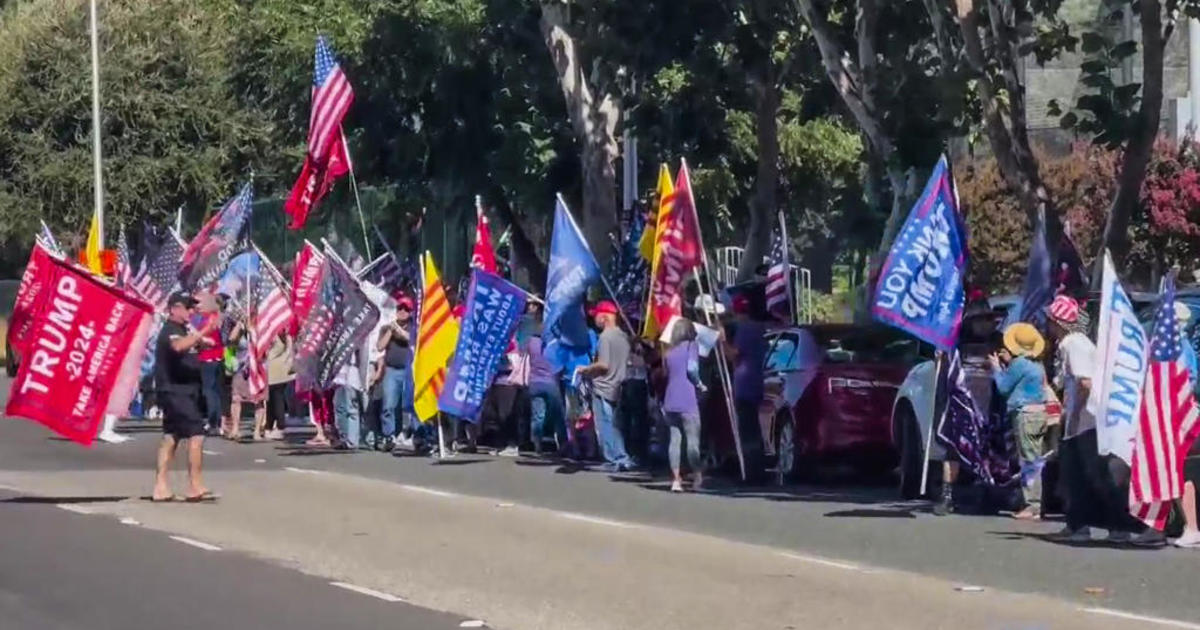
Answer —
910 453
785 453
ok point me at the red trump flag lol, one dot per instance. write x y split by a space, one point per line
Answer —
82 349
678 242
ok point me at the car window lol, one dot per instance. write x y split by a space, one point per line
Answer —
867 345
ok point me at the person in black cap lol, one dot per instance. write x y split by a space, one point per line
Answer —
177 374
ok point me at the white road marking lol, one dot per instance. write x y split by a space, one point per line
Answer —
125 520
260 461
821 561
362 590
196 543
208 452
1158 620
429 491
305 471
594 520
471 623
9 488
78 509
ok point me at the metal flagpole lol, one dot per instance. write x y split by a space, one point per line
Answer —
362 222
939 359
98 184
722 367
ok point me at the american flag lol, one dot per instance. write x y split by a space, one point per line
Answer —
1167 422
159 276
327 158
779 290
331 99
272 308
124 276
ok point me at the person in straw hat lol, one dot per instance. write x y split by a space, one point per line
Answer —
1023 384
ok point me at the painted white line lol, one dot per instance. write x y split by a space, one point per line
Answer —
471 623
594 520
78 509
304 471
1158 620
125 520
196 543
208 452
362 590
821 561
9 488
429 491
260 461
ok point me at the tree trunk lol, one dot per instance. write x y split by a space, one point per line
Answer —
763 216
1004 103
1141 143
524 251
856 84
594 114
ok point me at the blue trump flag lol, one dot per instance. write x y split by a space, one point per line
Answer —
493 308
572 269
1039 288
920 287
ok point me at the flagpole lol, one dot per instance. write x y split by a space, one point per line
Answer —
939 358
603 280
98 170
357 202
722 367
438 415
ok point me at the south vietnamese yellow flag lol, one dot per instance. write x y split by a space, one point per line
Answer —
91 252
437 336
666 201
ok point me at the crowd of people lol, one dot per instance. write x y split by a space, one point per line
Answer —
1053 433
626 403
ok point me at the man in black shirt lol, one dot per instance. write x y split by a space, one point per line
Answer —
177 374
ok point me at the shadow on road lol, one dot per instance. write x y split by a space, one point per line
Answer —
870 513
57 500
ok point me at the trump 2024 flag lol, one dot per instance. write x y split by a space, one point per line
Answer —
920 287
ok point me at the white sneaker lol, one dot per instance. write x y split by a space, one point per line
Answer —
404 441
1189 540
112 437
509 451
677 486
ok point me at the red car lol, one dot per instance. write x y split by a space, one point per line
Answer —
830 389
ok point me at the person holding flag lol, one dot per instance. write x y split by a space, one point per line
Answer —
437 337
607 373
1023 384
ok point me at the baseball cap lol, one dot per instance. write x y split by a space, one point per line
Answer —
404 302
181 297
605 307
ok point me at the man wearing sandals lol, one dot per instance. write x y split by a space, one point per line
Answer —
177 374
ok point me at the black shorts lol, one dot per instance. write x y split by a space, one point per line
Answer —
1191 469
181 414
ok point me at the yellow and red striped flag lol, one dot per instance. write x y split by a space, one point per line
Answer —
436 340
658 235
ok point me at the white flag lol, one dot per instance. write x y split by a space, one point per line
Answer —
1121 355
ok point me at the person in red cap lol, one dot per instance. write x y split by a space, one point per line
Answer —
606 374
396 343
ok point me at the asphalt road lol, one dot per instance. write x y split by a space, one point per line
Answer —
70 571
828 528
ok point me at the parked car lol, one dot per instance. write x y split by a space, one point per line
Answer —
830 389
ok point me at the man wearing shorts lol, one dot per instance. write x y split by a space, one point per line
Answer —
177 374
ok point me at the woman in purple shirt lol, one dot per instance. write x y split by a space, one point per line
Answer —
680 406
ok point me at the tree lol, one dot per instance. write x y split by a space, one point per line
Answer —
174 131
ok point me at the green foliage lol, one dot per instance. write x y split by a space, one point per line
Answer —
174 131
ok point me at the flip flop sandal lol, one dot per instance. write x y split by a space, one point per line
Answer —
207 497
171 499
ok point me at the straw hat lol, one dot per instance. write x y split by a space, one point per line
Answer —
1023 339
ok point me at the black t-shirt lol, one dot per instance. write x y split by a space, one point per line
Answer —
175 372
399 353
